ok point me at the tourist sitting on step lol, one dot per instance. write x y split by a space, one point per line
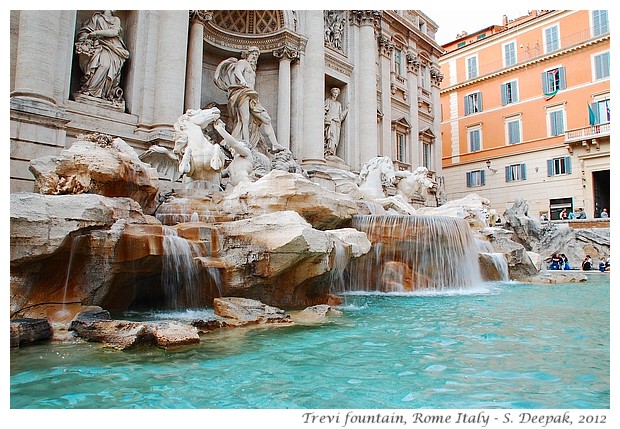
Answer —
586 265
556 262
564 262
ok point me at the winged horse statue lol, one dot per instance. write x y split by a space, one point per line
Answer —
194 157
375 175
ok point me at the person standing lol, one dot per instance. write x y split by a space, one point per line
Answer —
563 215
604 214
238 78
334 115
102 55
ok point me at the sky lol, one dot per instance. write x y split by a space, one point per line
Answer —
452 22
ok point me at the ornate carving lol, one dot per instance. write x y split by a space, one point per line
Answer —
200 15
413 63
436 76
366 17
386 45
290 52
334 29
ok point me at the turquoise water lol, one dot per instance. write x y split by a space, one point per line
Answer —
506 345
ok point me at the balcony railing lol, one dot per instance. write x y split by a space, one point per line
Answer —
587 133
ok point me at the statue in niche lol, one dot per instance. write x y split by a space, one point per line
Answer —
102 54
250 118
334 115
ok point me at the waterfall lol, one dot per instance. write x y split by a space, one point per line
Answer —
180 273
415 253
501 265
75 243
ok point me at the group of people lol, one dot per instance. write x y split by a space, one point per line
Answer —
578 214
558 262
603 265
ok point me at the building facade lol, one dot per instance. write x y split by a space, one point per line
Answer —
385 65
526 113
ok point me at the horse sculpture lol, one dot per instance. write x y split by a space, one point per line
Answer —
195 156
416 185
376 174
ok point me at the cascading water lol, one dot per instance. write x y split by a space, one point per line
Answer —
180 274
75 244
498 259
413 253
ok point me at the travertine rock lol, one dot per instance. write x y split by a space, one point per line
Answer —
98 164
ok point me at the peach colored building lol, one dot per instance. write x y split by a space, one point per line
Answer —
526 113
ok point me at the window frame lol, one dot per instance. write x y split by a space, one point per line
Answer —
512 43
401 147
553 111
472 103
477 129
559 80
398 62
595 64
507 122
563 163
471 74
514 92
478 175
598 27
515 172
547 48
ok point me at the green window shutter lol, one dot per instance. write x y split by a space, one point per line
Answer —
562 74
523 169
504 92
483 177
507 169
468 178
567 165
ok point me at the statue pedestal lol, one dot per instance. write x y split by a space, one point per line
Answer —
99 102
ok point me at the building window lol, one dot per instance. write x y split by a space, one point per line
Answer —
426 155
481 36
475 178
474 139
599 112
515 172
559 166
600 24
510 92
472 67
510 54
513 130
398 62
552 39
401 147
553 80
473 103
425 77
601 66
556 205
461 44
556 122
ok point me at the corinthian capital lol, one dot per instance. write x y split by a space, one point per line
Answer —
286 52
200 15
365 17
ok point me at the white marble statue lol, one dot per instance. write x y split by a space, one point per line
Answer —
195 155
102 54
376 174
238 78
416 185
334 115
241 167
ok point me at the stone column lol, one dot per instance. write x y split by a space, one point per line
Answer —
193 83
286 55
367 75
170 67
35 63
313 88
413 68
436 78
385 146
